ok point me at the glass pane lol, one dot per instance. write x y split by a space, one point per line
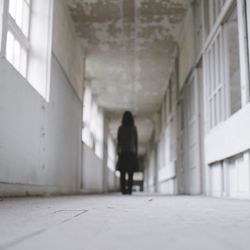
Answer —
182 117
25 21
170 97
213 68
19 13
23 62
214 111
217 108
210 65
12 8
192 100
219 60
216 63
210 113
233 61
10 47
17 50
207 67
214 7
220 105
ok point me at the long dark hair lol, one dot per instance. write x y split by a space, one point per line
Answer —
127 119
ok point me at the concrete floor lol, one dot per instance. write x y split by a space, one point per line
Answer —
114 222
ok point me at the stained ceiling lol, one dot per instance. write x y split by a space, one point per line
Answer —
130 46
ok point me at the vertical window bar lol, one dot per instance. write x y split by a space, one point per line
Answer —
12 8
19 12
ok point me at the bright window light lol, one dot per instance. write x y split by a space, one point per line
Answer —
16 54
17 44
25 23
93 120
19 10
111 153
10 47
17 49
12 8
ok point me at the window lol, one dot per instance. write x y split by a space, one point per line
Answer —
161 150
87 105
111 153
215 83
163 115
198 25
93 124
166 106
26 40
189 134
215 7
1 23
223 72
170 97
17 44
247 15
19 10
233 61
172 94
97 129
212 10
172 141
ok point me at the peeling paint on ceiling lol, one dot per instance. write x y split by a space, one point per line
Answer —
131 46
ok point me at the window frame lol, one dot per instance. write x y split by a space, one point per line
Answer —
39 55
227 60
20 37
198 26
243 64
170 104
14 19
4 6
216 84
244 33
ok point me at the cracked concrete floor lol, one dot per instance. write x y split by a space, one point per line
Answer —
114 222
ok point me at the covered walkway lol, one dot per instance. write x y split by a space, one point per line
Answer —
110 222
69 69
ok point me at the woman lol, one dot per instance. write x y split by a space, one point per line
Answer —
127 151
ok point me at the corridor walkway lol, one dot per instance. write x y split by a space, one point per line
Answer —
114 222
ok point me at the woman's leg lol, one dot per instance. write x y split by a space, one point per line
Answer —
130 182
123 181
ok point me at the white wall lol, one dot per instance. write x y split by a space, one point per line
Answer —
93 174
230 178
225 142
215 181
229 138
40 142
113 182
67 47
167 187
186 48
1 22
92 171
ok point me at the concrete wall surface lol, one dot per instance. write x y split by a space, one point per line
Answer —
93 174
113 183
229 138
92 171
167 187
186 48
66 46
40 142
230 178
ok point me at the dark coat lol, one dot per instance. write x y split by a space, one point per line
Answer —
127 145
